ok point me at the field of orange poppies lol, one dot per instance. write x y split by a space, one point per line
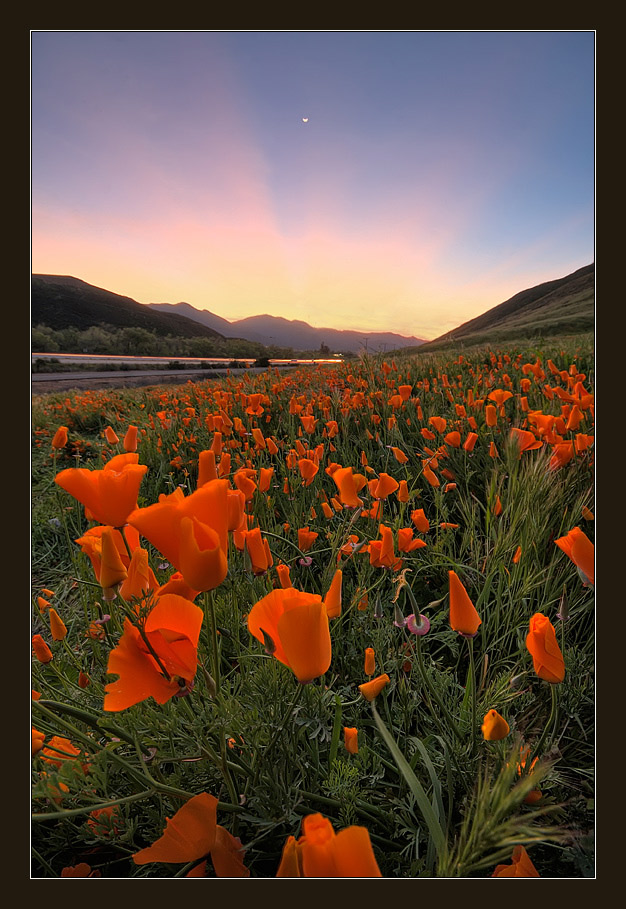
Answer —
318 623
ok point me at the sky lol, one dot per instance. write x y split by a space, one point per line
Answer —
402 181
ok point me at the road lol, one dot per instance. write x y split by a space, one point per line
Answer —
48 382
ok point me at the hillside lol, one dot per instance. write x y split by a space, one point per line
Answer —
61 301
563 306
294 333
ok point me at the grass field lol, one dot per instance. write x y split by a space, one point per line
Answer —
325 624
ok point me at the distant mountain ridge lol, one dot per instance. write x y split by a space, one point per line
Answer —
61 301
275 330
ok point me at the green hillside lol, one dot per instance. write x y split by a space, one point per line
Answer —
565 306
60 301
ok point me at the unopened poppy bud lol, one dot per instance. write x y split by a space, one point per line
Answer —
60 438
57 625
378 609
210 682
494 727
41 649
268 643
83 679
351 741
372 689
398 617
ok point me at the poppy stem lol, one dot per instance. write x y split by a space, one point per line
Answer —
433 693
471 684
144 638
214 642
552 719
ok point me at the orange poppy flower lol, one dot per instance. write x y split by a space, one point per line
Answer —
59 439
244 480
407 542
494 727
517 556
140 578
129 443
258 550
41 649
383 486
420 520
372 689
189 835
370 661
439 423
109 495
348 484
499 396
284 575
112 568
332 600
521 866
177 584
524 440
295 625
111 436
542 645
306 538
265 478
403 491
382 554
399 455
350 739
491 415
453 438
58 750
207 469
172 629
191 532
320 852
562 454
308 470
38 738
429 476
577 545
463 615
470 441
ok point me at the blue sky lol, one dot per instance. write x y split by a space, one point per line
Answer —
438 174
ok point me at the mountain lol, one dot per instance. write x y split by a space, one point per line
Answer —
276 331
563 306
61 301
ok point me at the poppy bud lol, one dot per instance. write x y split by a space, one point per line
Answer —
494 727
60 438
130 439
351 739
372 689
57 626
41 649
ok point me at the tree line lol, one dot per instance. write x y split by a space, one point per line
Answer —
133 341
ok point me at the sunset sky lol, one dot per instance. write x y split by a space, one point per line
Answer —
439 173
